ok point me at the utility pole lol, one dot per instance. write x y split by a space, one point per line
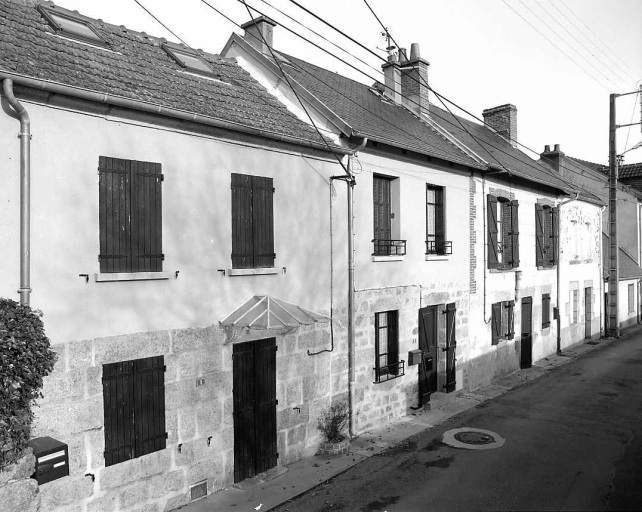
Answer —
614 269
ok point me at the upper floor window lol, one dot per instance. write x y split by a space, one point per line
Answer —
387 363
502 321
130 215
69 24
385 199
252 221
546 235
503 232
435 222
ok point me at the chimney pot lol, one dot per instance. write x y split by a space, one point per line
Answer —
403 56
557 147
547 149
414 51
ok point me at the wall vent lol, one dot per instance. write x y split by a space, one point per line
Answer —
198 491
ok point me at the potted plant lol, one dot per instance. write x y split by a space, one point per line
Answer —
332 424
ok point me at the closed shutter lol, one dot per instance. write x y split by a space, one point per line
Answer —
114 190
514 233
491 214
243 411
546 308
451 311
554 235
265 396
393 341
146 217
496 322
381 215
242 237
118 402
263 221
510 306
539 235
440 224
149 405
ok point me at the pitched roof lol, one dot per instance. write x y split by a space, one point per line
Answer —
627 266
134 66
630 171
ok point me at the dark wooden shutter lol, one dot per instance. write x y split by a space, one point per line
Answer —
491 217
243 411
381 214
242 238
546 310
451 348
496 322
149 405
263 221
554 234
393 341
265 396
114 198
146 217
514 232
118 402
539 235
440 224
510 306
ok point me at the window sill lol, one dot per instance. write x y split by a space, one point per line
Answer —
252 271
437 257
132 276
389 258
546 267
502 270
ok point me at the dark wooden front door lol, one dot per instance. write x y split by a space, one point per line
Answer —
428 345
588 293
451 348
526 358
254 398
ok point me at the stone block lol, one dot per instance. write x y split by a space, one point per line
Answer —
186 424
296 435
209 418
196 338
63 386
211 360
190 452
19 496
77 453
148 507
58 419
130 346
94 379
175 502
79 355
155 463
189 364
133 494
309 387
293 393
211 468
119 474
106 503
160 485
65 491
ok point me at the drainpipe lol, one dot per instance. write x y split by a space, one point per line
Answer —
559 264
25 190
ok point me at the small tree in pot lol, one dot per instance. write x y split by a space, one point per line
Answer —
332 424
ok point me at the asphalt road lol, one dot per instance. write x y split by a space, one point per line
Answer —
573 442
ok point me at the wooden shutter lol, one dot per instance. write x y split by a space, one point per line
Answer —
114 198
149 405
546 310
514 232
146 217
510 328
265 411
243 410
118 402
393 341
539 235
381 214
554 234
491 214
263 221
440 224
242 238
451 311
496 322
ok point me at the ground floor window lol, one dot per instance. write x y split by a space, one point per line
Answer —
387 363
631 298
546 310
502 321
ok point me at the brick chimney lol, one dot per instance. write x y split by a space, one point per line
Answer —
414 81
554 159
503 120
392 76
258 32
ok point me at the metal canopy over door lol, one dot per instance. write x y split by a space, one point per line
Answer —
588 293
526 357
254 392
428 346
450 348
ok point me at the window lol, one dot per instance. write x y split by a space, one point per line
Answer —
387 363
385 194
545 235
575 298
435 222
69 24
134 405
502 321
252 222
546 310
503 232
187 58
130 215
631 299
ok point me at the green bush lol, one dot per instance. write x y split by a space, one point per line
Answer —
25 359
333 422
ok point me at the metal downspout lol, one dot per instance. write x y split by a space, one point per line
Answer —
25 190
559 310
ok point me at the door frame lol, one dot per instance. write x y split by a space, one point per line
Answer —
428 377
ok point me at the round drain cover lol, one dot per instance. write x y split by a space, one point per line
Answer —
470 437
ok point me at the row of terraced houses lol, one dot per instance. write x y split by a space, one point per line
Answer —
214 272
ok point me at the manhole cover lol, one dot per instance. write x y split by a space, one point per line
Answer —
470 437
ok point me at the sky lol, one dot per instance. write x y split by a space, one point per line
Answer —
557 61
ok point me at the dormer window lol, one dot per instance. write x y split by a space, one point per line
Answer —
187 58
70 25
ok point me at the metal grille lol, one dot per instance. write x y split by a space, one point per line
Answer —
389 247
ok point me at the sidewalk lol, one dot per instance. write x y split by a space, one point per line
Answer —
282 484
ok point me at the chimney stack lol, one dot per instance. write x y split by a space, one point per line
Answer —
554 159
503 120
414 81
258 32
392 76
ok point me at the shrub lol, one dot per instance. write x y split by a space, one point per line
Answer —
333 422
25 359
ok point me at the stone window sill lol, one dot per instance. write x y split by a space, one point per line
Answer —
388 258
437 257
252 271
132 276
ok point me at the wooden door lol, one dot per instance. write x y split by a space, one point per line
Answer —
588 293
428 345
450 349
526 357
254 399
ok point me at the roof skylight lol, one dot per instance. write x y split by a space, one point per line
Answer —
187 58
69 25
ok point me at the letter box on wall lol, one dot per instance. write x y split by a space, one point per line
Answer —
52 459
414 357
